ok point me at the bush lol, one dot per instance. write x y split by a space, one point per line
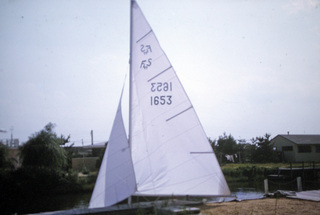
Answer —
247 173
20 187
43 150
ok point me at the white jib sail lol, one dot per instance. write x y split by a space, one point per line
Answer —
170 151
116 180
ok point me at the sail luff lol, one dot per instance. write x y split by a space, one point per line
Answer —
130 85
130 74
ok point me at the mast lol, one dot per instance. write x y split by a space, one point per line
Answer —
130 75
130 93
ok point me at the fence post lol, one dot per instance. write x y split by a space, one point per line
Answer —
130 201
299 184
266 187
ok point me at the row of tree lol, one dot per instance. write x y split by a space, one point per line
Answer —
259 150
45 149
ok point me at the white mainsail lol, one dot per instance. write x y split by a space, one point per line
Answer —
168 153
116 180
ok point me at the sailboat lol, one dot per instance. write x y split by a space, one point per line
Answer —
167 152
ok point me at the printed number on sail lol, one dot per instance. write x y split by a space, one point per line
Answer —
161 100
161 86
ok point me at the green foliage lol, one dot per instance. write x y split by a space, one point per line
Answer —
44 172
21 186
247 172
69 154
227 145
43 150
5 162
264 152
213 144
100 155
260 150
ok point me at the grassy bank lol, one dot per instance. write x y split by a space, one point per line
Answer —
241 172
87 181
247 172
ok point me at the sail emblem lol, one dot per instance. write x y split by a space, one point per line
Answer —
145 49
146 63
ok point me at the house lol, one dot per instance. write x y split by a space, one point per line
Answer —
85 157
298 148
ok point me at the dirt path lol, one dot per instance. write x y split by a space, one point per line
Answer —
263 207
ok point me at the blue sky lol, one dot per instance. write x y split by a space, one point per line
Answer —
249 67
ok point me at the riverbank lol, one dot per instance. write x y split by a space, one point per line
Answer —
263 207
272 206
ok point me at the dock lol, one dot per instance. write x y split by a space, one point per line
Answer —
303 171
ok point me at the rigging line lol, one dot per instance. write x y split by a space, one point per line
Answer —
144 36
160 73
179 113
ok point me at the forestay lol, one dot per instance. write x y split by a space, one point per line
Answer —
170 151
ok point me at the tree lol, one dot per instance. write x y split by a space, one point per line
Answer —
227 144
43 149
5 162
213 144
264 150
249 152
100 153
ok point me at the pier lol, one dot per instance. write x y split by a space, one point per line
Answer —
304 171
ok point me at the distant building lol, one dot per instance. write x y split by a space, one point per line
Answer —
298 148
11 143
85 157
13 152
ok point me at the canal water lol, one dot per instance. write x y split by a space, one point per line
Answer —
242 191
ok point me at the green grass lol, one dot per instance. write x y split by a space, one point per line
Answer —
241 172
234 166
248 172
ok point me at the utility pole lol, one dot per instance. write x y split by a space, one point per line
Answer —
91 137
11 140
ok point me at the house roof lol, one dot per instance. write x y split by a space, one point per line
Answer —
302 138
95 146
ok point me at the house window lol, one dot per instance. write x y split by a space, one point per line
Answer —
318 149
287 148
304 149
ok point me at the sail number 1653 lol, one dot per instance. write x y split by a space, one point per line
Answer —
161 100
161 87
